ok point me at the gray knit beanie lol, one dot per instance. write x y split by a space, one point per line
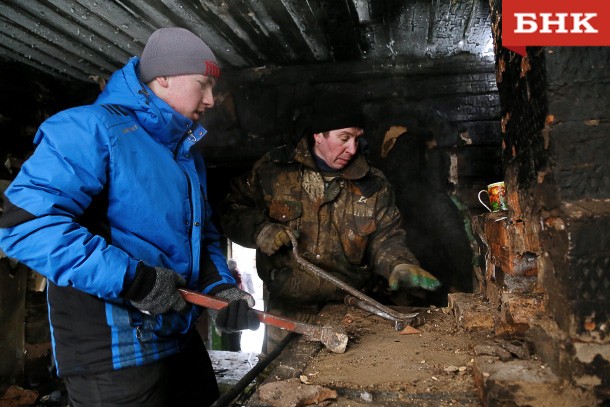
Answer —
176 51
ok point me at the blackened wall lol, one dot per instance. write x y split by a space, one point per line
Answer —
28 97
556 135
556 138
579 141
579 99
432 126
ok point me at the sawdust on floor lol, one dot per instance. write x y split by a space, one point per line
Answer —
437 360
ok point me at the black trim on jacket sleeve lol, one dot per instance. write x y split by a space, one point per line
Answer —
95 216
220 287
14 215
208 273
142 284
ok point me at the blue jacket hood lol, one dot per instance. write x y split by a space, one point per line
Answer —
157 117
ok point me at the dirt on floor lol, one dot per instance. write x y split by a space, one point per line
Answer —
435 359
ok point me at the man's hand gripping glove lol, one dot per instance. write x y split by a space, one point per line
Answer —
155 290
411 275
238 314
272 237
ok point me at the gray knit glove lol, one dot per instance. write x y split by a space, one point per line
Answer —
238 314
154 290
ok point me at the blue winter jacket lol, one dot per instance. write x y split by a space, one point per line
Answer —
110 185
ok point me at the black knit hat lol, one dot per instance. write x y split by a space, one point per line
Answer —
336 111
176 51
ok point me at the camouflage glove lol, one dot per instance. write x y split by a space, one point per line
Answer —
411 275
154 290
238 314
272 237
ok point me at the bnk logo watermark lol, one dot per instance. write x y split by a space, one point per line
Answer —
555 23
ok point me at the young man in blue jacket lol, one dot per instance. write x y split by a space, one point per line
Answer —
113 209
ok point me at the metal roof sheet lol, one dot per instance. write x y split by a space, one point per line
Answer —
81 39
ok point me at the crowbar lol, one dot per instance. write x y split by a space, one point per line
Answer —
333 340
412 319
400 320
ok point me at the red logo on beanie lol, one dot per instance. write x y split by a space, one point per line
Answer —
211 69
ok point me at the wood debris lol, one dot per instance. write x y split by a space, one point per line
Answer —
409 330
293 393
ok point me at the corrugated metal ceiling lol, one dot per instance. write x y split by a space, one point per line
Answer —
84 38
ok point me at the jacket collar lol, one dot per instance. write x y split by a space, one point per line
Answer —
158 118
357 168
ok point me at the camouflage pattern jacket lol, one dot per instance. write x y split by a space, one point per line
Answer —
346 223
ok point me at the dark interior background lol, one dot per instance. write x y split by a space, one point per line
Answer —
448 110
423 71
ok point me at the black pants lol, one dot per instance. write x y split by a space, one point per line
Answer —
231 341
184 379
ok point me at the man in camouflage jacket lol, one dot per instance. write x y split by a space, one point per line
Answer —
341 209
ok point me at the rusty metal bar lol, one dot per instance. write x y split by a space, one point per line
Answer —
335 341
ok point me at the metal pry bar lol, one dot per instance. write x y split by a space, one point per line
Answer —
334 340
413 319
387 312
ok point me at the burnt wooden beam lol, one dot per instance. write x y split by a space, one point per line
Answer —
300 29
18 50
259 27
220 38
72 32
340 23
272 75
